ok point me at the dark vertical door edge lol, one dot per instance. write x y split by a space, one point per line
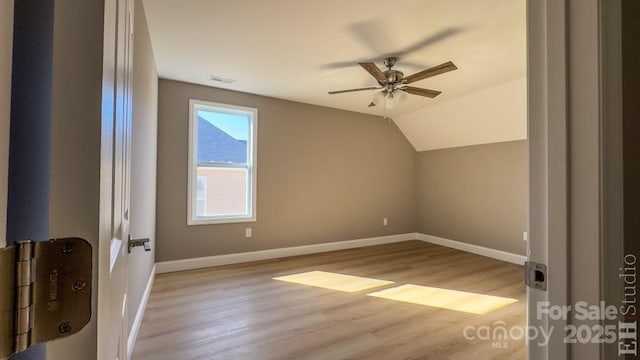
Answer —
30 133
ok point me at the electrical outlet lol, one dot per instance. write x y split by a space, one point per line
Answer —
247 232
385 221
525 236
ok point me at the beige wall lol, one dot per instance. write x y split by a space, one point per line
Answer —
143 160
323 175
6 52
475 194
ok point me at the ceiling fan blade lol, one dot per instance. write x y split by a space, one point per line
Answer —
436 70
420 91
374 71
375 34
351 90
439 36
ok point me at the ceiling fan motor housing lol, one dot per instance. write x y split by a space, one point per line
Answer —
393 76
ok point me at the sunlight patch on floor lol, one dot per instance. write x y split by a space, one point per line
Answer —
462 301
334 281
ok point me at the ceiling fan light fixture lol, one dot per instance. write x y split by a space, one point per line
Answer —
389 101
389 98
379 97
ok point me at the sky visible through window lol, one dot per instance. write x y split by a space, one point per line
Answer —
236 126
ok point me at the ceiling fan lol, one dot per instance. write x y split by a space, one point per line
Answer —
394 84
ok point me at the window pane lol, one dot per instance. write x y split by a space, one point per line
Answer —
222 137
226 191
201 195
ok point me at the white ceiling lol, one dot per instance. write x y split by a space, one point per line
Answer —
301 49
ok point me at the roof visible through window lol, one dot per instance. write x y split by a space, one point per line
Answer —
222 137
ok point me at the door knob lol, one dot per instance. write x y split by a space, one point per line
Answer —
146 242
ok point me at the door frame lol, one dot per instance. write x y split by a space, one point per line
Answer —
575 161
548 163
613 249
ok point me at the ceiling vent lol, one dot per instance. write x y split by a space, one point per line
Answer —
221 79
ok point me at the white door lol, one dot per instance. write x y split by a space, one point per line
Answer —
115 165
6 54
6 42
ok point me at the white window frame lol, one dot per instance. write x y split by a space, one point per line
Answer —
252 146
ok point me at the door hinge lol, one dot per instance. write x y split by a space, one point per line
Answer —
535 275
45 292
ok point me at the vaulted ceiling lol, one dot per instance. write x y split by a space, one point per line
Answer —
301 49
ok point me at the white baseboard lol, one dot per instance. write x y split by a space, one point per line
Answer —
204 262
209 261
475 249
133 333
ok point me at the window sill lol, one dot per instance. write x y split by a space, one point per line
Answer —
218 221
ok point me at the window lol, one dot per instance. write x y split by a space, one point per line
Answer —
222 168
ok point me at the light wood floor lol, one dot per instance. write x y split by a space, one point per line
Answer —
240 312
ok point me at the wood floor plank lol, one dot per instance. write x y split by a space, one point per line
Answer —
240 312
